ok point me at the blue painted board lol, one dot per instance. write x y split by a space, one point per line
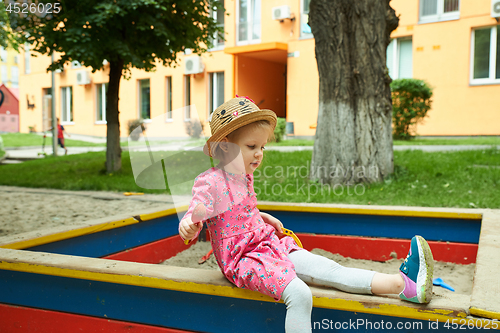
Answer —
107 242
435 229
174 309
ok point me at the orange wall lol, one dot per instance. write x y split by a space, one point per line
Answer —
262 81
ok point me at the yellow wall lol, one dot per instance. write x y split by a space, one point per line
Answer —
441 56
10 62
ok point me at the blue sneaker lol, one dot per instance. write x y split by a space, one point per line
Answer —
417 270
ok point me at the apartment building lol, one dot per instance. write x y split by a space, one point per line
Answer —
268 55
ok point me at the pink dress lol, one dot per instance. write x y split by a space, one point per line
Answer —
247 249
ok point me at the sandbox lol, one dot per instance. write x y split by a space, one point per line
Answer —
104 274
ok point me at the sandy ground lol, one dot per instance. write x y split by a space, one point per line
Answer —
458 276
23 210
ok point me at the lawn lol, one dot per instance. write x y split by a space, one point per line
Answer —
466 179
30 139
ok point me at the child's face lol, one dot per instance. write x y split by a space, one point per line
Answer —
251 140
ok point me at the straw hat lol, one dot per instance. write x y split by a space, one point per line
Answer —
230 116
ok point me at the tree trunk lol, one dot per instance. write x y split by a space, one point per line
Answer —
353 136
113 149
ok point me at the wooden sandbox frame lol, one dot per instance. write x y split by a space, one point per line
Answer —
103 273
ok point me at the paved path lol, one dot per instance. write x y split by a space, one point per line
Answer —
18 154
426 148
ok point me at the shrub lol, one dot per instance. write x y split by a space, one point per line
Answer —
411 100
279 131
132 125
194 128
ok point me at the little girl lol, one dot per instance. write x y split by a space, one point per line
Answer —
245 241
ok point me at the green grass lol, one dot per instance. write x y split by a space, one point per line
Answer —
2 153
30 139
448 179
72 172
293 142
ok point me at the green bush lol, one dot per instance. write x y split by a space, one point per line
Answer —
411 100
194 128
279 130
132 125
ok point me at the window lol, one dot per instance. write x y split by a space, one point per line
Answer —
101 90
305 29
27 56
14 74
218 15
485 67
46 108
248 21
400 58
67 104
168 94
216 91
187 97
5 75
439 10
144 99
3 54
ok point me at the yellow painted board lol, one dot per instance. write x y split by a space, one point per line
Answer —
362 211
88 230
484 313
392 310
68 234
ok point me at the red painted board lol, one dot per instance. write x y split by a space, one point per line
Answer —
153 253
380 249
17 319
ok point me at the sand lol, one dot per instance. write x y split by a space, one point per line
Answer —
456 275
25 209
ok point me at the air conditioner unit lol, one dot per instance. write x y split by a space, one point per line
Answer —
193 65
281 13
75 64
83 77
495 8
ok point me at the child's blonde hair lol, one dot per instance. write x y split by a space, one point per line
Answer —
219 154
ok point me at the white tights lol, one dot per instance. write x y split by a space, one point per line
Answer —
318 270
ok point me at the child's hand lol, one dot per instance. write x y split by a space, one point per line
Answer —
188 228
271 220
